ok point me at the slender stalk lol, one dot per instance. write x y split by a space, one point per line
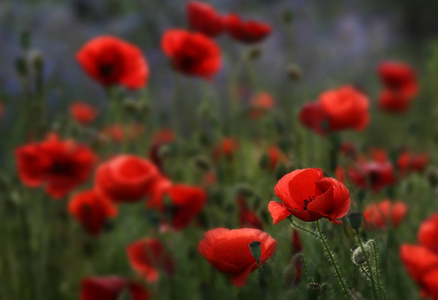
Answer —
332 260
293 224
379 282
367 260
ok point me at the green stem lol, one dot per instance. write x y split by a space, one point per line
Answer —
335 266
367 260
293 224
379 282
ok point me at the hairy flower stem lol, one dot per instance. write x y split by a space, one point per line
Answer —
293 224
335 266
367 260
379 282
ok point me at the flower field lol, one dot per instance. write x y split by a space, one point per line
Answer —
210 150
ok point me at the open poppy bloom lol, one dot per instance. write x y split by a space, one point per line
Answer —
148 256
372 174
179 203
246 31
111 61
110 288
422 265
408 162
428 232
91 210
203 18
58 165
192 53
227 147
260 104
125 178
310 196
380 215
83 113
275 155
400 86
335 110
229 252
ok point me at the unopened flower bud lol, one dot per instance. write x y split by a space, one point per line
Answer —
255 52
359 257
244 190
36 59
256 250
281 170
202 163
355 220
294 72
288 16
313 290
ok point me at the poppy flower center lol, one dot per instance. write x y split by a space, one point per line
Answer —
60 168
307 201
374 177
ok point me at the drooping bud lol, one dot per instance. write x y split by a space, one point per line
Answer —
313 290
294 72
355 220
255 52
256 250
21 66
202 163
359 257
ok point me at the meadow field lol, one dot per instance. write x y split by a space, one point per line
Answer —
218 150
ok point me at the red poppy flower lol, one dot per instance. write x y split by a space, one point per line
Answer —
203 18
275 156
179 203
398 76
428 232
408 162
375 175
228 147
343 108
310 196
148 256
112 61
260 104
58 165
125 178
400 86
246 31
340 174
379 215
192 53
247 217
348 149
229 252
83 113
422 265
110 288
395 102
91 210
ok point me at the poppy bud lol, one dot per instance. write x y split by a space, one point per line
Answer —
264 161
21 66
37 60
313 290
203 138
244 190
358 257
289 275
432 177
281 170
288 16
202 163
294 72
256 250
131 106
25 39
254 52
355 220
